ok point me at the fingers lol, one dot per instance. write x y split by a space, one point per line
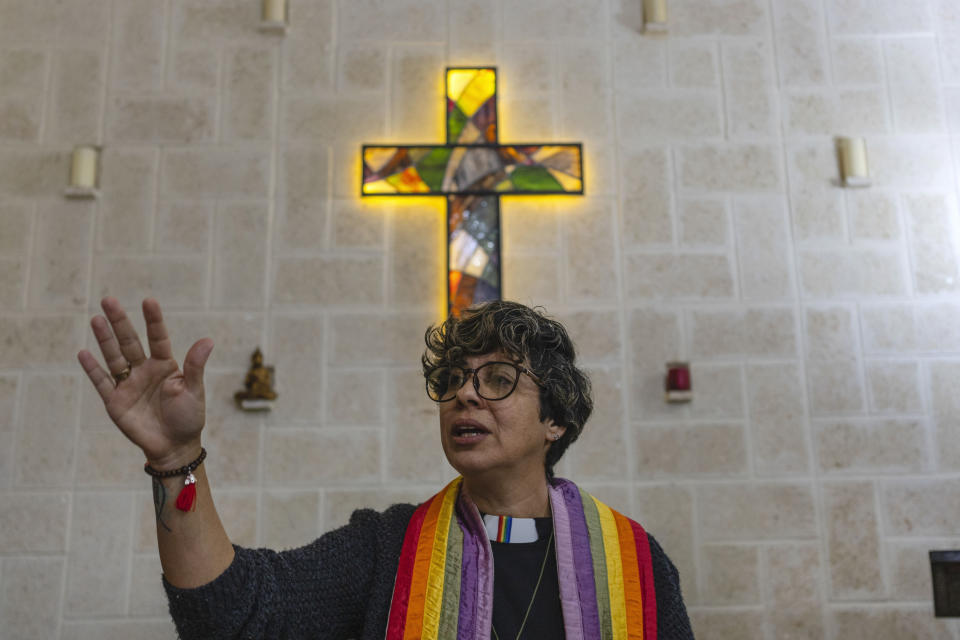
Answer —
102 382
109 347
193 364
157 336
126 335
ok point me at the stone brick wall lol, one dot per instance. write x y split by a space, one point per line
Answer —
798 494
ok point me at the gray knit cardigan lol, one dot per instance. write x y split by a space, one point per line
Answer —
340 587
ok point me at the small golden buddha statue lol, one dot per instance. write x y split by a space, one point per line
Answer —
259 393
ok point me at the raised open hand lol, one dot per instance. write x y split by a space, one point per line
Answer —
158 407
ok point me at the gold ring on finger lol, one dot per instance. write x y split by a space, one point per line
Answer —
123 375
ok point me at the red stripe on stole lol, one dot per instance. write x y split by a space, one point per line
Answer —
401 587
645 562
413 627
632 590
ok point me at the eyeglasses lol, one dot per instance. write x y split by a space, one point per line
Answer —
491 380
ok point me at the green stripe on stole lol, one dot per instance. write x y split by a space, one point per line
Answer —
599 564
450 613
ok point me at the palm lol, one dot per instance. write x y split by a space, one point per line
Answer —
158 407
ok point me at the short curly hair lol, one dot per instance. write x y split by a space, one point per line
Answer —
526 334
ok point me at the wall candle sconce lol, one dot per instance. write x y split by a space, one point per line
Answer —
84 172
274 16
655 15
853 162
677 383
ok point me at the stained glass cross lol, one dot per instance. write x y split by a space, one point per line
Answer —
472 170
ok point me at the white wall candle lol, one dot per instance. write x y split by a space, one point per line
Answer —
83 170
853 161
275 11
655 14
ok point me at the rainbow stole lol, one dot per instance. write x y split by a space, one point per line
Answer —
444 584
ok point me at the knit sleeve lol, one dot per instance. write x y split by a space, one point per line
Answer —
320 590
672 620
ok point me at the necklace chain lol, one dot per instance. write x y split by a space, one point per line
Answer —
543 566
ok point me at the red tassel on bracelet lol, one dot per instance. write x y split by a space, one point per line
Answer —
188 494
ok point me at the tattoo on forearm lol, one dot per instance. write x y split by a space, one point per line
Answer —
159 501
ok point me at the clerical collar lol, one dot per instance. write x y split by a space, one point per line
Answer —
507 529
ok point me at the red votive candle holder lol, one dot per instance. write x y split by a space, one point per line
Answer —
678 384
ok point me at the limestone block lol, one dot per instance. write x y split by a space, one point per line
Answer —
718 392
75 109
888 328
290 519
404 20
881 17
918 109
908 162
724 17
894 386
361 223
294 457
673 115
835 387
340 280
654 337
830 332
327 119
730 574
106 459
40 340
59 269
119 629
15 228
45 438
756 511
183 226
187 119
33 522
852 273
378 338
703 222
921 507
46 20
137 56
717 449
666 512
473 23
753 331
237 511
777 421
304 185
339 504
677 276
147 596
417 257
417 102
178 282
693 63
645 212
792 576
584 111
361 67
642 64
889 622
127 199
857 60
30 596
717 624
13 273
801 42
203 22
909 562
946 413
827 112
874 215
531 65
547 19
9 383
98 554
531 279
308 61
729 167
413 450
194 68
29 173
932 221
354 396
202 173
595 333
248 112
600 453
240 266
345 165
297 341
234 335
750 103
233 443
22 71
763 244
20 119
590 237
892 446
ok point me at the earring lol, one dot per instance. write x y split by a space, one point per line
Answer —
555 437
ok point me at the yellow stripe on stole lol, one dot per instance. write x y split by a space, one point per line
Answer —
611 547
438 562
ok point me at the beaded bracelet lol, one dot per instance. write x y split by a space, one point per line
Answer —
188 494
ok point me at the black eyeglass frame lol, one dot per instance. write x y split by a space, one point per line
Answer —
476 380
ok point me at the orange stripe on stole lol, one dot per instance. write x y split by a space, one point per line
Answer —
421 568
632 589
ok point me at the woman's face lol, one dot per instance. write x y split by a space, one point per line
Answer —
506 436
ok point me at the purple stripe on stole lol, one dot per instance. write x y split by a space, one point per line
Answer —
583 561
566 571
476 581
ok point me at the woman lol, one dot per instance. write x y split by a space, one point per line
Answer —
504 551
